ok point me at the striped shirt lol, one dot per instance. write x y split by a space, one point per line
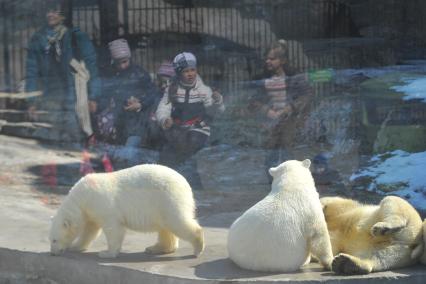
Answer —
276 90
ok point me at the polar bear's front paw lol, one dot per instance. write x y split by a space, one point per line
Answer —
346 264
156 249
107 254
383 229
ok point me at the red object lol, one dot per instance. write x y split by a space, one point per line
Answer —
86 165
107 163
45 200
187 122
48 172
91 141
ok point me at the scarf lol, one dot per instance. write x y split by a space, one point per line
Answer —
55 41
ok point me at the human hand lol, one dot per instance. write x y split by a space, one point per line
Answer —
168 123
217 97
272 114
133 104
287 110
93 106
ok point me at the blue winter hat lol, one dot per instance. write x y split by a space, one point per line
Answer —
184 60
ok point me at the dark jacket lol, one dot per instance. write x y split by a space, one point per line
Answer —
136 82
39 64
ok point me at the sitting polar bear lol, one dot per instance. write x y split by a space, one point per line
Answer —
367 238
146 198
281 231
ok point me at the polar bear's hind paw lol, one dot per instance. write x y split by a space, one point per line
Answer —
156 249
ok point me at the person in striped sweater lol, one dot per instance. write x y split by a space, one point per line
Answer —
283 104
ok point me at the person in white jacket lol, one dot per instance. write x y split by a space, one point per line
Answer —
185 110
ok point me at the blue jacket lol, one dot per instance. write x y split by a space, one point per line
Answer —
39 63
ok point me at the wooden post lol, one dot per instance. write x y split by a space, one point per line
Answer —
108 20
67 8
6 55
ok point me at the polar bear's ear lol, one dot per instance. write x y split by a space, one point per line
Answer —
306 163
273 171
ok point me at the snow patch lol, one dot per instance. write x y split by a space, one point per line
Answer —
398 173
413 89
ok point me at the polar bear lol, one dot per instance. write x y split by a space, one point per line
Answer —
281 231
146 198
367 238
423 258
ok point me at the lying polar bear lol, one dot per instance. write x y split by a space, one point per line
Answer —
146 198
281 231
367 238
423 258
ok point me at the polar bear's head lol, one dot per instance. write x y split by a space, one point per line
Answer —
291 166
292 175
62 232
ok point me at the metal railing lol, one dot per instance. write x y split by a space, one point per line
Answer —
229 38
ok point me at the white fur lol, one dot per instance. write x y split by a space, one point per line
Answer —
280 231
423 257
146 198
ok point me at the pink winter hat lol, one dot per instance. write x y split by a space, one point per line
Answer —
119 49
166 69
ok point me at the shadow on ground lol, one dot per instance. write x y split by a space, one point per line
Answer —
224 268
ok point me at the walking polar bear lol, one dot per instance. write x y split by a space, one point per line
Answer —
367 238
281 231
146 198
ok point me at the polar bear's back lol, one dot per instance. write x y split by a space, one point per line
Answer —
268 238
144 197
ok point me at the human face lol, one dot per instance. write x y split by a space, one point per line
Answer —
273 63
54 18
122 64
188 75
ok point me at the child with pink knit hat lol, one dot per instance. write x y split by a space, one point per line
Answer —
165 74
131 95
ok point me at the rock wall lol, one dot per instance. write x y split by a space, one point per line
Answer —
402 22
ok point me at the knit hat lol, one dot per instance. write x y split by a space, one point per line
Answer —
119 49
166 69
184 60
